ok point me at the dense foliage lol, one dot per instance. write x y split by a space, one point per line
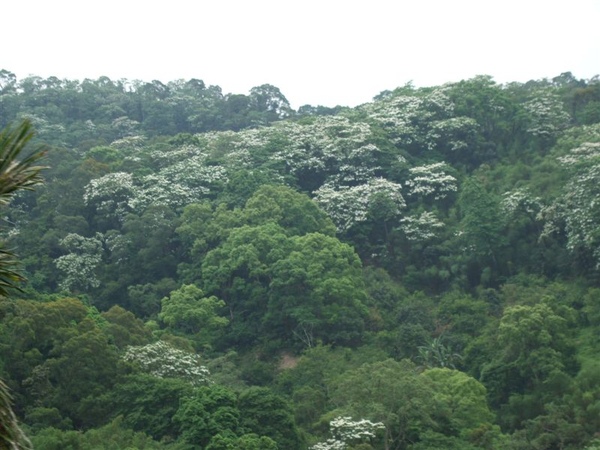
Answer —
212 271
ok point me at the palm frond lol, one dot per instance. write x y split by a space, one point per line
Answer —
11 436
10 278
15 174
18 174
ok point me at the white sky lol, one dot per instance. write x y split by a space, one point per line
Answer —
316 51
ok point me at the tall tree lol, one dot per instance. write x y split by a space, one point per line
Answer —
480 230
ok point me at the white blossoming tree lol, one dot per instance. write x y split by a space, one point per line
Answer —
431 181
182 176
422 227
110 194
330 149
578 207
346 431
79 265
424 121
348 206
547 115
162 360
521 201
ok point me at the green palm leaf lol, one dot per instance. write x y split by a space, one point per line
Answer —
11 436
15 174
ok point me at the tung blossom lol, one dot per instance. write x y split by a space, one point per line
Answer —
348 206
164 361
79 265
347 431
431 180
548 115
421 228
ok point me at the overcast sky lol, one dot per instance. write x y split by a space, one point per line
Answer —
324 52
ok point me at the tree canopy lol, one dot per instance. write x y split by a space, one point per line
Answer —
218 271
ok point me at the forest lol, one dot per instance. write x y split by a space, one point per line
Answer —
210 271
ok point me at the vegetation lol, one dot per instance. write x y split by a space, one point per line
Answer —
210 271
15 174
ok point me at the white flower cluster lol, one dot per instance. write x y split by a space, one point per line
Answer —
43 126
111 193
552 218
439 102
165 158
345 430
578 209
431 179
348 206
210 138
421 228
237 149
183 178
332 145
128 143
125 126
453 133
396 112
330 444
194 171
587 151
582 210
521 200
424 121
80 264
117 246
252 139
164 361
243 146
547 114
159 190
408 118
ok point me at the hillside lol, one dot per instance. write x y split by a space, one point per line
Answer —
220 271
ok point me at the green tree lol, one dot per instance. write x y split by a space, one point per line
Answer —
251 441
112 436
148 403
293 211
124 328
536 338
212 410
462 401
480 231
189 311
393 393
81 369
265 413
238 271
284 288
317 292
532 357
498 117
436 354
